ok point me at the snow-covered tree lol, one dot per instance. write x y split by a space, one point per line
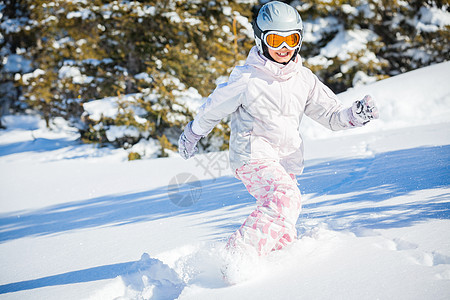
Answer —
359 41
156 50
133 72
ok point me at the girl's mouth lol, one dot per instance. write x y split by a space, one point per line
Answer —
282 54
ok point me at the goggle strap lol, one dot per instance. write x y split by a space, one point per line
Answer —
258 32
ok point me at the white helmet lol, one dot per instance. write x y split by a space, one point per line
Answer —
277 17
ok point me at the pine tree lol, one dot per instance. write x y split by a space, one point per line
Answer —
154 50
146 56
13 41
395 41
177 45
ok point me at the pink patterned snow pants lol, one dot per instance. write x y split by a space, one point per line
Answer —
271 226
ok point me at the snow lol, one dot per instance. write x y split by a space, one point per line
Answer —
420 97
26 77
109 107
362 78
247 26
172 16
118 132
349 10
345 45
190 98
432 19
75 74
80 222
349 41
314 30
83 14
144 76
146 10
13 25
16 63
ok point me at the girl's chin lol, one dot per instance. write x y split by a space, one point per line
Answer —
283 59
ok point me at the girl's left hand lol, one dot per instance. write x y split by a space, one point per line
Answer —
363 111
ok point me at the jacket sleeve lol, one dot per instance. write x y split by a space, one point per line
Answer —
225 100
324 107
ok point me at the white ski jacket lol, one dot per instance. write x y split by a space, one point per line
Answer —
267 101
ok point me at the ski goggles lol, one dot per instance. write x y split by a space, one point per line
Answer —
277 40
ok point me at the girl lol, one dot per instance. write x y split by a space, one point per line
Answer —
267 98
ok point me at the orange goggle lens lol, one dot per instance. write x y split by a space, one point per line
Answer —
274 40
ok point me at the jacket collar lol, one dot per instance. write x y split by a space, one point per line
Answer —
283 72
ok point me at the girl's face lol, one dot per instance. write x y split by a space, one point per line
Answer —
281 56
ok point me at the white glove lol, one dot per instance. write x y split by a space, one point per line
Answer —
187 143
363 111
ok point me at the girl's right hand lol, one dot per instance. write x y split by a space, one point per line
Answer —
187 143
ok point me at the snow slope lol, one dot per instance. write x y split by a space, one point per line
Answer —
79 222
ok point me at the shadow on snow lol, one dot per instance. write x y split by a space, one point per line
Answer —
119 210
36 145
373 179
357 181
166 284
87 275
367 182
